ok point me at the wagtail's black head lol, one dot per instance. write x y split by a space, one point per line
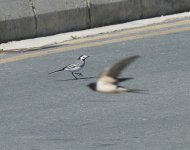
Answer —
83 57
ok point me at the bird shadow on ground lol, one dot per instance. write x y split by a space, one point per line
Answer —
119 80
76 79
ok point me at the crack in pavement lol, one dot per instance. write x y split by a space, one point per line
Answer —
89 12
35 14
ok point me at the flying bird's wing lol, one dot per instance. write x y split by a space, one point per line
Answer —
116 68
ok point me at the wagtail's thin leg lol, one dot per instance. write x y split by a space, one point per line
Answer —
74 76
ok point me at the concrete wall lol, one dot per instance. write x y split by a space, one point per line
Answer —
55 16
16 20
153 8
20 19
114 11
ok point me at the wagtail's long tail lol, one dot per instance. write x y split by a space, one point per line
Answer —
56 71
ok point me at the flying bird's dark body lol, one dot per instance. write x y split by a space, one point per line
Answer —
107 81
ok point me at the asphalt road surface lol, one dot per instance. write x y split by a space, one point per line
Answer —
41 112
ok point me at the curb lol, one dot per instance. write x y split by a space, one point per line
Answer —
23 19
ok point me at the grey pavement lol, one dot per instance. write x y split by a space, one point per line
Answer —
41 112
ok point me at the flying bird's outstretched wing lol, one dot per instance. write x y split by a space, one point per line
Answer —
116 68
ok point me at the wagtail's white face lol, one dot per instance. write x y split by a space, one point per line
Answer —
83 57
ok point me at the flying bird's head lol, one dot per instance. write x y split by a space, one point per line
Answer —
83 57
92 86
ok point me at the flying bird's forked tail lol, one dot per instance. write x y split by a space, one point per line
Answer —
140 91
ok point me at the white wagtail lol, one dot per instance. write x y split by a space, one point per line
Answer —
107 81
75 67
